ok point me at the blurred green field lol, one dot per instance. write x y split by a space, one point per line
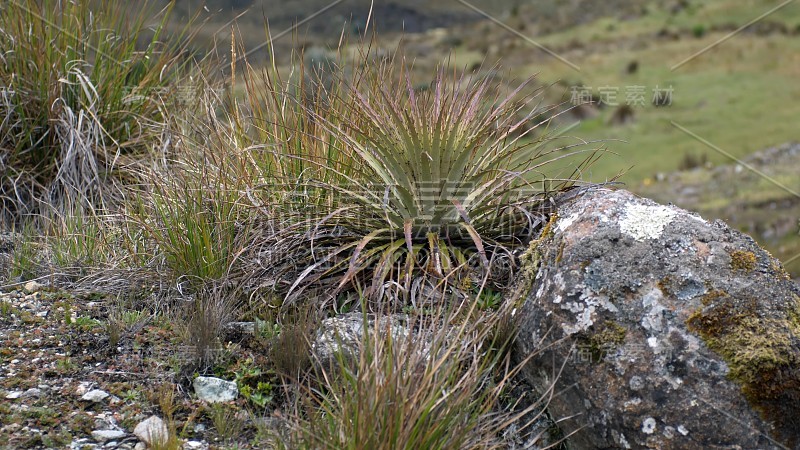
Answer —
735 99
741 95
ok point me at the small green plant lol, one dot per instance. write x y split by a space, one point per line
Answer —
85 323
489 299
130 318
699 30
267 330
6 308
120 320
67 313
261 396
57 439
131 395
66 365
254 384
114 333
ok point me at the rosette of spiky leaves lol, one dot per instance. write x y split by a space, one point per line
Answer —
446 181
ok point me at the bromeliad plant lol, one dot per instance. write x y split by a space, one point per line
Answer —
443 185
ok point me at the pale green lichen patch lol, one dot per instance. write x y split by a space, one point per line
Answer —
645 222
743 260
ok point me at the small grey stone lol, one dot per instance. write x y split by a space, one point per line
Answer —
342 334
95 395
107 435
126 444
215 390
83 386
13 395
32 286
241 327
152 429
32 392
82 444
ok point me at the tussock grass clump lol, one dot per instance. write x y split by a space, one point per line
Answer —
439 385
195 222
82 88
64 246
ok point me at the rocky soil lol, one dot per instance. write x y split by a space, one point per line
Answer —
73 377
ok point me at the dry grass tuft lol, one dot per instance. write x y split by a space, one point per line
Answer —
439 386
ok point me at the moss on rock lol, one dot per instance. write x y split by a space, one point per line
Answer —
532 258
602 340
743 260
761 352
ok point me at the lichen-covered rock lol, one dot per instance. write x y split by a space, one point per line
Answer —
341 336
215 390
661 330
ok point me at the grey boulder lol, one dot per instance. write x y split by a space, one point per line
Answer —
341 337
653 328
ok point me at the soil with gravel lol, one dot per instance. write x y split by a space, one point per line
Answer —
56 347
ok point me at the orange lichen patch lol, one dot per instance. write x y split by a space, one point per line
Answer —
703 250
743 260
